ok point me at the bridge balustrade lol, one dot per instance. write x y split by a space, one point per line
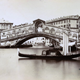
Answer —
21 34
24 33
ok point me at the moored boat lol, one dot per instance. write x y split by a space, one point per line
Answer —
43 56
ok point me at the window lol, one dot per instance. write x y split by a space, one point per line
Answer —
64 26
69 20
77 26
77 21
3 33
52 31
10 26
69 25
61 21
55 23
64 21
43 39
19 30
23 31
13 31
61 25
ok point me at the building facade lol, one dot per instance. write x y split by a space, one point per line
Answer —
69 22
5 25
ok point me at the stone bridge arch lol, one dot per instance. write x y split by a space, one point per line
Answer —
36 35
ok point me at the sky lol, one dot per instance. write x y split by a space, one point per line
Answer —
25 11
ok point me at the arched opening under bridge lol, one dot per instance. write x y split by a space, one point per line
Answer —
30 36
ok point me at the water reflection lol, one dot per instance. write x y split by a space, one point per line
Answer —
52 69
36 69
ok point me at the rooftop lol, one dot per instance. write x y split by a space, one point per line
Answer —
4 21
64 17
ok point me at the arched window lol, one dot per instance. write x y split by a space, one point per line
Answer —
75 35
58 32
52 31
30 30
46 28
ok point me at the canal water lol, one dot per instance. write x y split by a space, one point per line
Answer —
12 67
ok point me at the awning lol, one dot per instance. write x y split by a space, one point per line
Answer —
69 44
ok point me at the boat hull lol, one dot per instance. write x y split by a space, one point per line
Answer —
48 56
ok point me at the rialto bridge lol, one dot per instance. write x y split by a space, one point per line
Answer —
39 28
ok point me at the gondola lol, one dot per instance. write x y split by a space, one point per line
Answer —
61 57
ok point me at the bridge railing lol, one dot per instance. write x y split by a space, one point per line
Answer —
15 36
21 35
